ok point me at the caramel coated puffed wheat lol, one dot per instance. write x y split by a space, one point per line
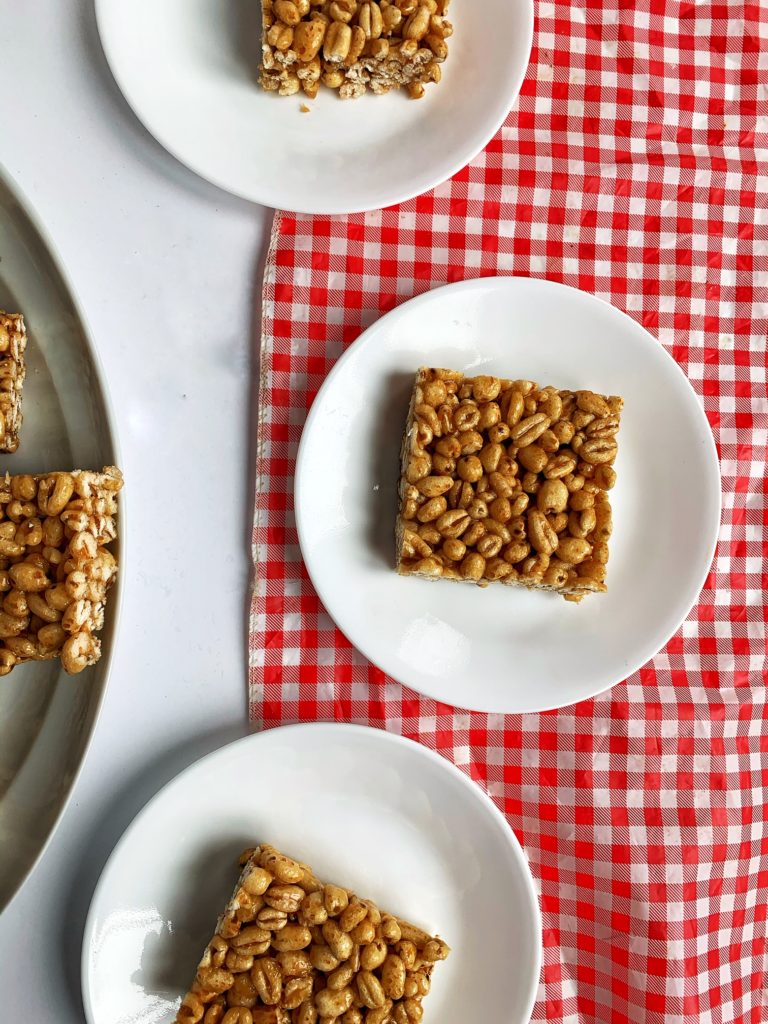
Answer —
353 45
289 949
503 481
13 342
55 565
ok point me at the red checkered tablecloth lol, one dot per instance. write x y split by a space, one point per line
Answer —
634 166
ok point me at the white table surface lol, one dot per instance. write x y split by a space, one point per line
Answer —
168 270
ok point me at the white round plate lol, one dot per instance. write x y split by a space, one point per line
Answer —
189 69
46 717
380 814
499 649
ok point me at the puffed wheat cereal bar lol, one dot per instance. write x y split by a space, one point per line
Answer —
13 342
289 949
55 565
353 46
506 482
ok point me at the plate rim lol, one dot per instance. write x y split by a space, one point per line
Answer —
319 208
496 281
383 735
117 593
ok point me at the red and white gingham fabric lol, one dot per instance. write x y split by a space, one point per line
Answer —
635 166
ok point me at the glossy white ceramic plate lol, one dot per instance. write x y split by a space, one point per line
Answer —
390 819
189 69
46 717
501 649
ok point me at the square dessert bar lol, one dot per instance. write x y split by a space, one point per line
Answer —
55 565
13 342
503 481
353 45
289 949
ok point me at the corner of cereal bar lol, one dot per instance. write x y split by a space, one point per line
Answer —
506 482
353 47
13 343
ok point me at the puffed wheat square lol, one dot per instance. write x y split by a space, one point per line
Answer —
353 46
289 949
13 343
506 482
56 566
